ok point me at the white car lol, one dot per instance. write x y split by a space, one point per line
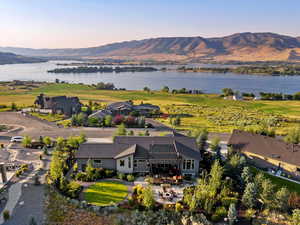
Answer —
16 139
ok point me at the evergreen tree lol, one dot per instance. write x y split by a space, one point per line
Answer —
148 197
121 130
249 198
267 193
90 170
281 200
232 214
246 175
63 183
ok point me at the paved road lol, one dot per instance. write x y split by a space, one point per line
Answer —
35 128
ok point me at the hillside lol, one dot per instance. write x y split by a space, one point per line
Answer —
240 47
10 58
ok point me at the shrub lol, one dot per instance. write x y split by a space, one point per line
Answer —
220 213
226 201
81 176
121 176
109 173
73 189
178 207
6 215
130 178
99 173
250 213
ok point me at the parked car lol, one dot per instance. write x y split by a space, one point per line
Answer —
16 139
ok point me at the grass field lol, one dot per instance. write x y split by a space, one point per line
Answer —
105 193
210 111
291 186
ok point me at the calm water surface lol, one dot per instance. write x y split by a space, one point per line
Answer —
207 82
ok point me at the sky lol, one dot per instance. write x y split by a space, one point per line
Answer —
89 23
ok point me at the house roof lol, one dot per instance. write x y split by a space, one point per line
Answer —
129 151
101 113
120 105
142 147
265 146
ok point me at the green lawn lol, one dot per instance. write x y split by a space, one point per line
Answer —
291 186
105 193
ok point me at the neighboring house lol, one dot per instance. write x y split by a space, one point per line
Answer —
267 152
125 108
176 154
59 104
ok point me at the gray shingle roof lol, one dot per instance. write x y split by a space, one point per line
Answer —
142 147
129 151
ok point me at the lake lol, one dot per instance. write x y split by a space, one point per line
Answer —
207 82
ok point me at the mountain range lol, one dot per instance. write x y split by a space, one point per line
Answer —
238 47
10 58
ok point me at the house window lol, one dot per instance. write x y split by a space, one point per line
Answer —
188 164
135 163
129 162
122 163
97 162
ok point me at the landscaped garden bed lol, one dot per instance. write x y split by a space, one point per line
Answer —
105 193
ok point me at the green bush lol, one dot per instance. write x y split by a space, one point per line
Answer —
81 176
130 177
226 201
221 211
121 176
99 173
73 189
109 173
6 215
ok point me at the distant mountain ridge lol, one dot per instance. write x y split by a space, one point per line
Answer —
240 47
10 58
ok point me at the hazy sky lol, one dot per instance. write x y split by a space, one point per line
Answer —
85 23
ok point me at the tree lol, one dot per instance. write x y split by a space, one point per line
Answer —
147 133
293 136
215 144
90 170
165 89
121 130
63 183
130 133
148 197
281 200
246 175
267 193
60 142
177 121
14 106
146 89
108 120
227 92
296 217
232 214
47 141
249 198
56 166
26 142
202 136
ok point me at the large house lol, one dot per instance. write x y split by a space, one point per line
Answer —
59 104
267 152
125 108
174 154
